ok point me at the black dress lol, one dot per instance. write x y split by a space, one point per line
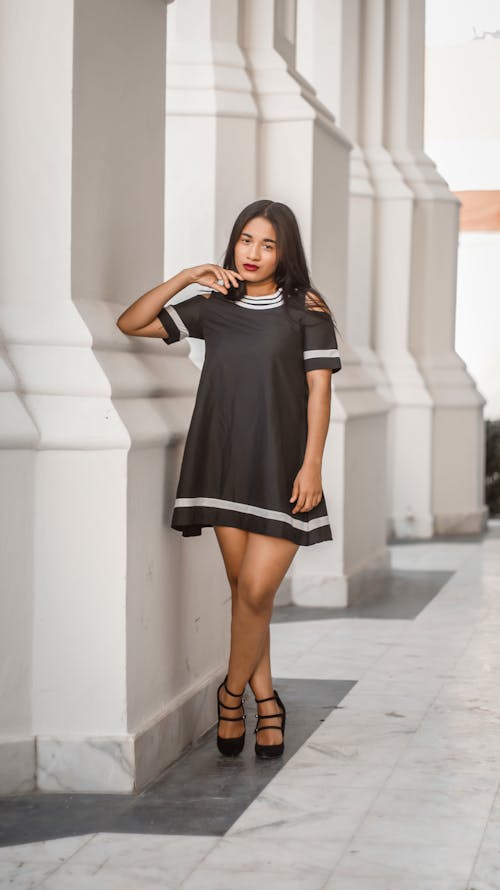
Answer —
248 431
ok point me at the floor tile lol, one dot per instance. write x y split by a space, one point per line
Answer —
391 865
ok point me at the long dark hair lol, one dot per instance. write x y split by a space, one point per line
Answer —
291 274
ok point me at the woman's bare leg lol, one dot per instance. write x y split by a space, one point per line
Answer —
261 684
232 542
255 569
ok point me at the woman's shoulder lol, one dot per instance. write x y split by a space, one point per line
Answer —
308 306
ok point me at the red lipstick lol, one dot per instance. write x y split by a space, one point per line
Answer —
250 267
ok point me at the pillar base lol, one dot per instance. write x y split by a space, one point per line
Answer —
17 765
411 527
461 523
112 763
345 590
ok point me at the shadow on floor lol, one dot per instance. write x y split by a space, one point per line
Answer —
403 594
202 793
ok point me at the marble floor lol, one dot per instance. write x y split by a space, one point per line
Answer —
391 773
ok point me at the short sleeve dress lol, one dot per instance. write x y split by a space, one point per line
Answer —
248 431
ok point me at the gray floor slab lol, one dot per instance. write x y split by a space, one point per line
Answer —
202 793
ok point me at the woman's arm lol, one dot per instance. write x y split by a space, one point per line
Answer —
140 318
307 487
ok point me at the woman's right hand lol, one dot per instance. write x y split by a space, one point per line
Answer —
208 274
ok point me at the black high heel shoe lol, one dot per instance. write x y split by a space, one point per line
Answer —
271 750
230 747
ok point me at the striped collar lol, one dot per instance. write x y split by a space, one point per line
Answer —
267 301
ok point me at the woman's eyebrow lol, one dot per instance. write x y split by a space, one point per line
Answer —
248 235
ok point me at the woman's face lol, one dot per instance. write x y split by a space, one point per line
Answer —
255 252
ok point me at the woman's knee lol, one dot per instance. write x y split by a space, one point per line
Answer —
256 597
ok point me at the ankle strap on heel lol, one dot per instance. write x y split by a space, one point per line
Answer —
230 707
234 694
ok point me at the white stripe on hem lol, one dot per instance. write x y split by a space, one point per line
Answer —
302 524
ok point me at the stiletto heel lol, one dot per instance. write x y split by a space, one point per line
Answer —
271 750
230 747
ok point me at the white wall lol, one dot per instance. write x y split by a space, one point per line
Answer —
462 134
478 312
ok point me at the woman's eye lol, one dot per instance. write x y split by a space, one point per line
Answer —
247 241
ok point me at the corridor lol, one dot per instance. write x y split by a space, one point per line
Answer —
391 770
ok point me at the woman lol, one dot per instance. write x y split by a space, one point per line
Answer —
251 466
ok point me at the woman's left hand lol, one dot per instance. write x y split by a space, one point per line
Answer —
307 488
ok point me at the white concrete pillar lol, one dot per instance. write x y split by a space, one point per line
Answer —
409 445
329 55
211 131
457 456
329 51
210 136
106 679
304 162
